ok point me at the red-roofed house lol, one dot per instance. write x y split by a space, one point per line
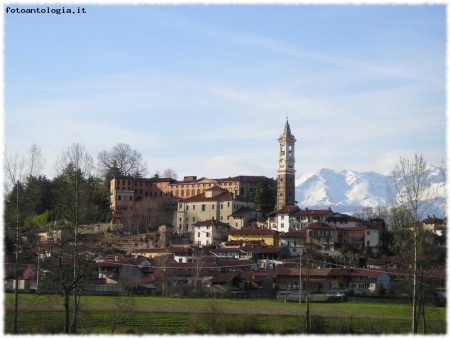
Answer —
353 236
293 218
294 241
324 235
241 217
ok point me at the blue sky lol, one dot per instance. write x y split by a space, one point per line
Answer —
205 89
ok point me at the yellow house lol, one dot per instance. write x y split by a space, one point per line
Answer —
270 237
150 253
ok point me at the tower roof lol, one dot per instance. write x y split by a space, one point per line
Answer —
287 132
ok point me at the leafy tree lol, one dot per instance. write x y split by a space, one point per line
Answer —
265 195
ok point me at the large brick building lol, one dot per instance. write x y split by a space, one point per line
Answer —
128 193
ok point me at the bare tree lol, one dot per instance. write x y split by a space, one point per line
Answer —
128 219
36 161
411 196
170 173
151 213
121 160
60 274
75 164
19 168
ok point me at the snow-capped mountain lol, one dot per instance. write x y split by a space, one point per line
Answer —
349 191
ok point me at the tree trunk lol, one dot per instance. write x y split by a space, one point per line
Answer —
67 312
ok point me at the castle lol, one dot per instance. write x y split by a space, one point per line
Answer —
229 200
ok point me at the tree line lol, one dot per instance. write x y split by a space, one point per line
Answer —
41 200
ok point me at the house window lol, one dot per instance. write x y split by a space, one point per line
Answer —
221 206
181 206
282 225
193 219
207 234
187 207
203 207
282 216
212 206
120 197
131 198
198 234
193 207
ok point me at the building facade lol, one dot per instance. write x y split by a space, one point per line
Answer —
129 193
214 204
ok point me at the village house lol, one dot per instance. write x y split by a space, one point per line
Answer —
344 221
243 217
302 218
294 241
259 282
225 281
383 263
293 218
268 236
210 232
352 237
323 235
434 224
56 234
280 220
215 203
247 249
269 257
372 239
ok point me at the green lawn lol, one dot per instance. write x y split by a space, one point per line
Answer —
183 315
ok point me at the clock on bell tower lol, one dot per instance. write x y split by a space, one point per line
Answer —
286 169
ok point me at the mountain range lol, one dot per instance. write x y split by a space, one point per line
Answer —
348 191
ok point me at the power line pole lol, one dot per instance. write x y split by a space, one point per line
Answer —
16 287
300 282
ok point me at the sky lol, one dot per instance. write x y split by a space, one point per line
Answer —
206 89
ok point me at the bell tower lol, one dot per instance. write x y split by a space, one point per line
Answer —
286 169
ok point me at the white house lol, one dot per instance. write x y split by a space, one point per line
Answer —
210 232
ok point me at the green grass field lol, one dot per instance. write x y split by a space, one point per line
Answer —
98 314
